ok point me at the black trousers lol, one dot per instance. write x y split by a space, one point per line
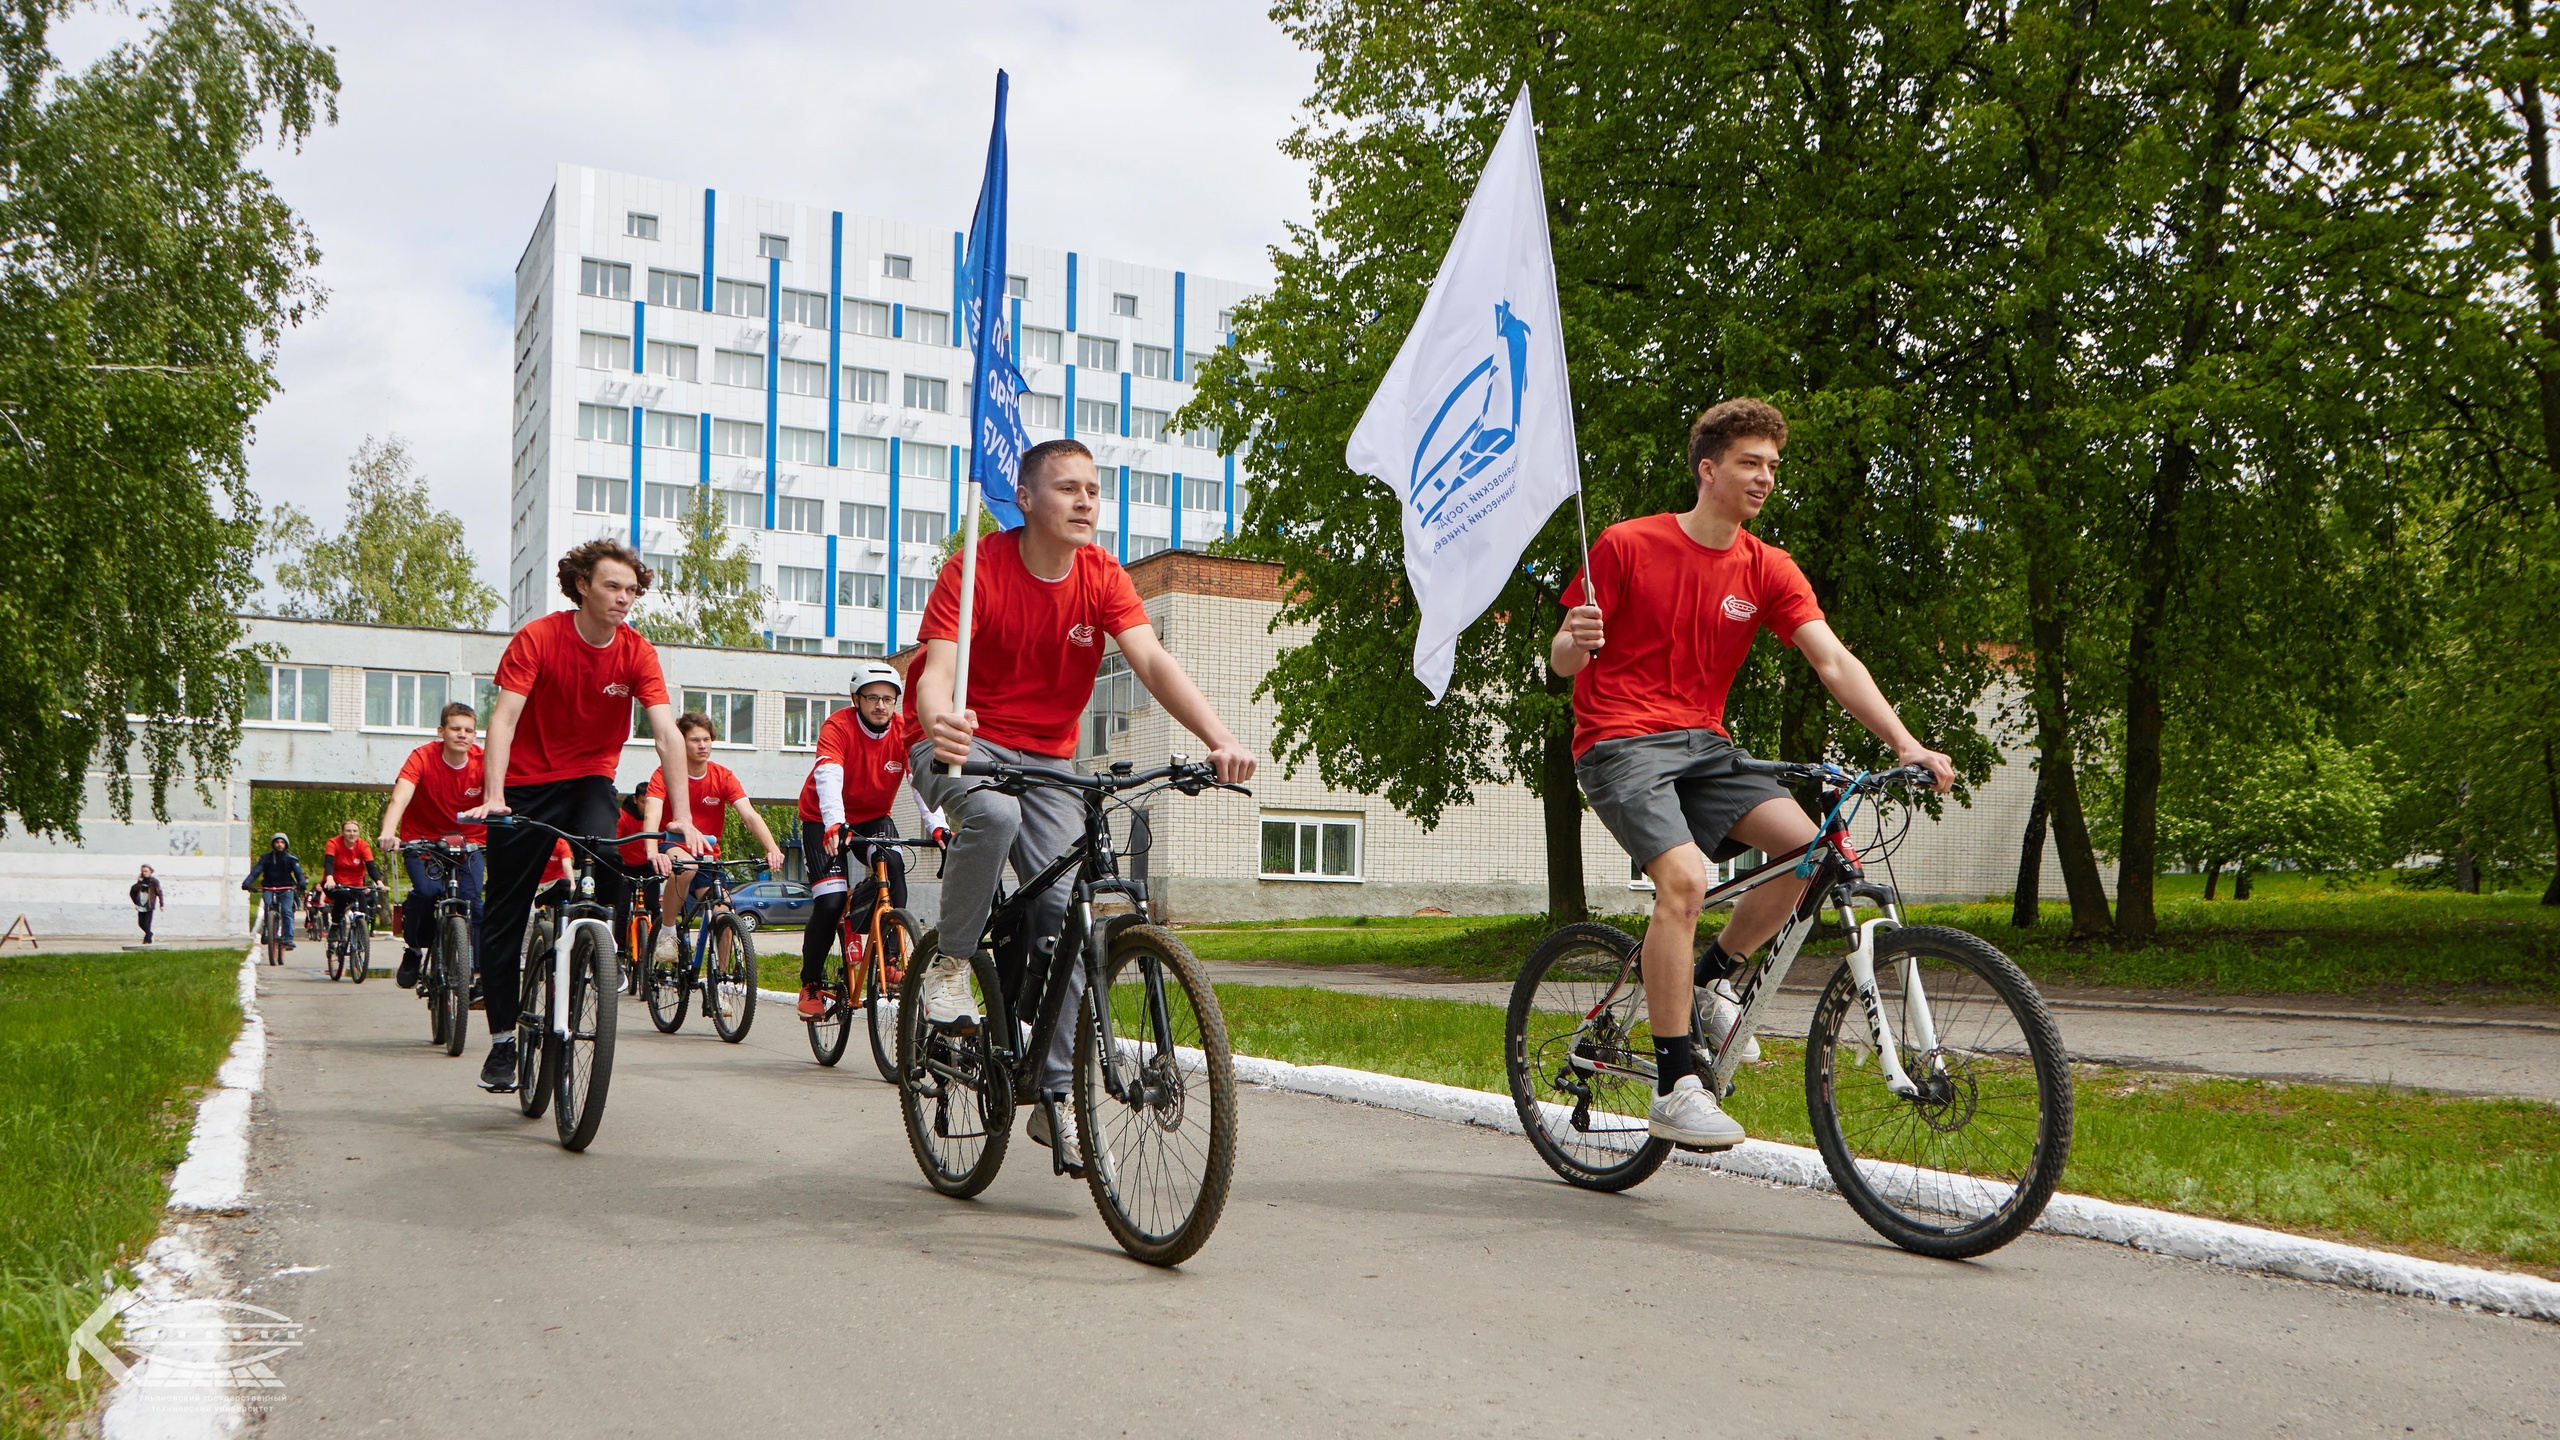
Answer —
142 914
581 806
828 909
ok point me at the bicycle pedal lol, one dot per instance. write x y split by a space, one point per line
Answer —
1706 1149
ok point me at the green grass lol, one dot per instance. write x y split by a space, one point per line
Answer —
2297 936
2474 1181
100 1058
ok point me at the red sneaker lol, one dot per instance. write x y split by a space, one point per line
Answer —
813 1002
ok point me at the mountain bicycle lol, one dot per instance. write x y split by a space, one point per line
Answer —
444 982
1935 1080
868 963
275 919
727 980
350 950
315 911
1156 1124
570 975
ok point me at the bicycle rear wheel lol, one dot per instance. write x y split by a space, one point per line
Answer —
334 954
584 1070
955 1089
1966 1165
832 1030
1580 1056
663 982
359 946
728 960
1158 1158
890 961
453 983
533 1035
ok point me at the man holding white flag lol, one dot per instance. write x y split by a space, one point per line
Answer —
1473 426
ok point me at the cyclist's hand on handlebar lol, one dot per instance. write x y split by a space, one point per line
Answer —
490 811
1234 763
951 732
1941 770
385 841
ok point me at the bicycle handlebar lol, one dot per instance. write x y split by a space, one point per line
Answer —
1190 777
1837 776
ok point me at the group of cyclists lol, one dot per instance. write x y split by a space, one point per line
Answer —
1655 629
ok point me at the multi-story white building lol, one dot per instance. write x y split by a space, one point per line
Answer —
801 369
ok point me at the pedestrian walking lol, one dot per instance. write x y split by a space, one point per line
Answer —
146 896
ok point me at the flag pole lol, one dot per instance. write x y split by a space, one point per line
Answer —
1581 525
968 588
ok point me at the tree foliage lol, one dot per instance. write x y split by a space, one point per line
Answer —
709 594
399 561
147 270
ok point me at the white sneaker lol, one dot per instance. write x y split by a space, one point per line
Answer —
947 1000
666 951
1691 1116
1068 1144
1723 1008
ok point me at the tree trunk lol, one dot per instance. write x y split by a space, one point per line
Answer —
2546 274
2239 886
2212 877
1561 798
2466 865
2057 766
2026 905
2551 788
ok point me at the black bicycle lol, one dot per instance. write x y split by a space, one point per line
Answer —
276 905
445 981
565 1020
1154 1081
1934 1077
350 949
712 953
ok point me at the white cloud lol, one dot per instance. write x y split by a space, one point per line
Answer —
1141 131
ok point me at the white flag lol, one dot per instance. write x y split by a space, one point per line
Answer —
1473 426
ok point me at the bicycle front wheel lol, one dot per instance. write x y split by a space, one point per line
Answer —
890 961
336 953
728 976
1160 1152
533 1024
1580 1056
955 1086
453 984
585 1068
359 947
663 983
1965 1165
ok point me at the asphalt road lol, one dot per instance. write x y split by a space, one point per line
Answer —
748 1250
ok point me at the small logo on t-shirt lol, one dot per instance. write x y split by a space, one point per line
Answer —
1081 634
470 789
618 688
1737 608
893 767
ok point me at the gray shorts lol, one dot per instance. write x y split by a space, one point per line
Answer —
1659 792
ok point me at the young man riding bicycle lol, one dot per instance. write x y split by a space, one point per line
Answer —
1046 598
1655 630
347 871
438 781
862 756
278 869
566 686
713 787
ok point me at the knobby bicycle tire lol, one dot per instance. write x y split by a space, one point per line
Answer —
663 984
728 976
1579 1005
584 1070
453 994
832 1028
1968 1165
533 1027
882 984
955 1088
1159 1161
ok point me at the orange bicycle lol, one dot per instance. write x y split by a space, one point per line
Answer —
874 941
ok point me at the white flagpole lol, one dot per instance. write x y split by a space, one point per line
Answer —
1581 526
968 593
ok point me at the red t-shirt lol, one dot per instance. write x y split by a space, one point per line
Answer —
1680 620
626 823
558 869
346 860
578 698
442 792
709 797
1036 644
873 764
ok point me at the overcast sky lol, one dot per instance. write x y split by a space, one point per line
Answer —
1142 131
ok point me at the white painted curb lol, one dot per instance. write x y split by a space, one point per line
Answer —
215 1174
2186 1237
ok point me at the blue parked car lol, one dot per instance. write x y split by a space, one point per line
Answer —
771 902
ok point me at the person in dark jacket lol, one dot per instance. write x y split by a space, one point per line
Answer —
146 896
276 870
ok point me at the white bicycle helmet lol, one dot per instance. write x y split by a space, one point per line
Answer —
873 672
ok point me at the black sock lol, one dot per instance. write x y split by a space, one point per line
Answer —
1673 1057
1715 963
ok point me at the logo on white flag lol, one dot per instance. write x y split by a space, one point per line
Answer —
1478 421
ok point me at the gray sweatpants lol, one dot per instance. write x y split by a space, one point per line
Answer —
987 829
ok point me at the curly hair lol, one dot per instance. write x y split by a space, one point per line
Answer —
579 565
1719 425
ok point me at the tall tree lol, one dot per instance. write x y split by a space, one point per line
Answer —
709 594
398 561
147 271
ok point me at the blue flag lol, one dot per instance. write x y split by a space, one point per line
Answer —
995 404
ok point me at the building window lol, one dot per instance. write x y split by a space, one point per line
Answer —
603 495
809 517
1194 362
1096 353
737 437
1017 287
737 367
860 647
1198 494
605 279
897 267
801 447
805 307
926 462
773 247
862 522
1226 321
402 699
1115 693
1310 847
639 226
1203 437
799 644
913 592
1148 487
860 589
1097 417
1142 546
799 584
598 351
1045 412
1124 305
929 327
867 317
668 430
484 698
1043 347
802 715
290 694
1195 545
741 298
922 527
1146 424
675 362
667 502
924 392
864 452
732 712
608 423
1107 541
1152 362
804 377
664 568
675 289
742 508
866 387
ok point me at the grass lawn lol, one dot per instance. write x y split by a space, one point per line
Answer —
101 1057
2297 935
2473 1181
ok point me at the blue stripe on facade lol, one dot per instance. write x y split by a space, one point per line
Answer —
1071 290
955 487
703 448
835 365
1231 494
1177 510
1070 416
831 587
897 321
639 337
1124 404
1123 556
889 600
959 285
710 222
1181 367
638 434
772 385
1013 334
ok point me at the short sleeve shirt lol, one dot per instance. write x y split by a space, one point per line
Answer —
1680 619
872 764
1036 644
709 797
577 698
346 860
441 793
